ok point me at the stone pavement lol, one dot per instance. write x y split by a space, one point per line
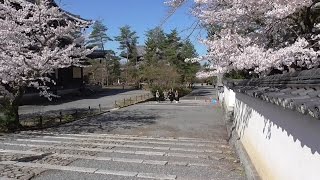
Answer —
146 141
105 99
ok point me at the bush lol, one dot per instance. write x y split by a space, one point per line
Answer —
6 118
5 122
183 91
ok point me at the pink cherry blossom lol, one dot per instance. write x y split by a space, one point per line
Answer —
30 45
240 39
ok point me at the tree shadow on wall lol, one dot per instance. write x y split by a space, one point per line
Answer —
242 116
302 128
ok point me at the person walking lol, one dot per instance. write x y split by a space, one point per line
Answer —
176 96
165 95
171 95
158 96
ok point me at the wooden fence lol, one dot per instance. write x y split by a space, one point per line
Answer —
132 100
52 119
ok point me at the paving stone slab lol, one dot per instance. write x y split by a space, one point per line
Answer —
117 173
155 162
157 176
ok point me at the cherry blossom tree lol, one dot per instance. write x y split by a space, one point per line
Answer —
259 35
35 39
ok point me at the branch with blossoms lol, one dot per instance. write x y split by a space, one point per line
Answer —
206 74
259 35
32 45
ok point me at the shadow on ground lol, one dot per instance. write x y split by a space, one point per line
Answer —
37 100
108 122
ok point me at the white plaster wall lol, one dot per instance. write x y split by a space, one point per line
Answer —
282 144
220 97
228 99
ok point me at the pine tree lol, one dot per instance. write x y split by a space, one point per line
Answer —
128 43
173 46
98 37
187 69
155 45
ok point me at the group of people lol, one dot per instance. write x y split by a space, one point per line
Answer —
171 95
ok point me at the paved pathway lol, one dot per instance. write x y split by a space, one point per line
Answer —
147 141
105 99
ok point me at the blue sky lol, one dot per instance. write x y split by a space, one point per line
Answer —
141 15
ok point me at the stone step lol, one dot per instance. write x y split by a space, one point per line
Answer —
171 158
155 168
132 137
105 158
88 170
194 171
107 150
101 139
57 175
123 146
176 158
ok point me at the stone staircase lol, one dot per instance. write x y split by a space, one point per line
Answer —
40 155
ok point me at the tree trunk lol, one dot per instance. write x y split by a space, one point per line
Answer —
12 111
15 109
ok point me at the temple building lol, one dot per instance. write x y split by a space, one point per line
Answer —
69 79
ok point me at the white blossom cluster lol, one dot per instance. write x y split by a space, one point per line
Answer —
194 60
205 74
31 44
241 26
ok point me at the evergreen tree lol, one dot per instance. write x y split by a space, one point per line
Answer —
173 46
155 45
98 37
128 43
168 51
188 70
188 50
113 65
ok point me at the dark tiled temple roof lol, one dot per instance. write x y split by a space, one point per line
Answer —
99 54
299 91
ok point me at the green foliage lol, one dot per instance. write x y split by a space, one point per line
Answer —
155 45
68 118
159 73
168 50
128 43
188 69
113 64
5 122
7 117
172 48
103 70
98 37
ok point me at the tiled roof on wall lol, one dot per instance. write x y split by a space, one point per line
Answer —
299 91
